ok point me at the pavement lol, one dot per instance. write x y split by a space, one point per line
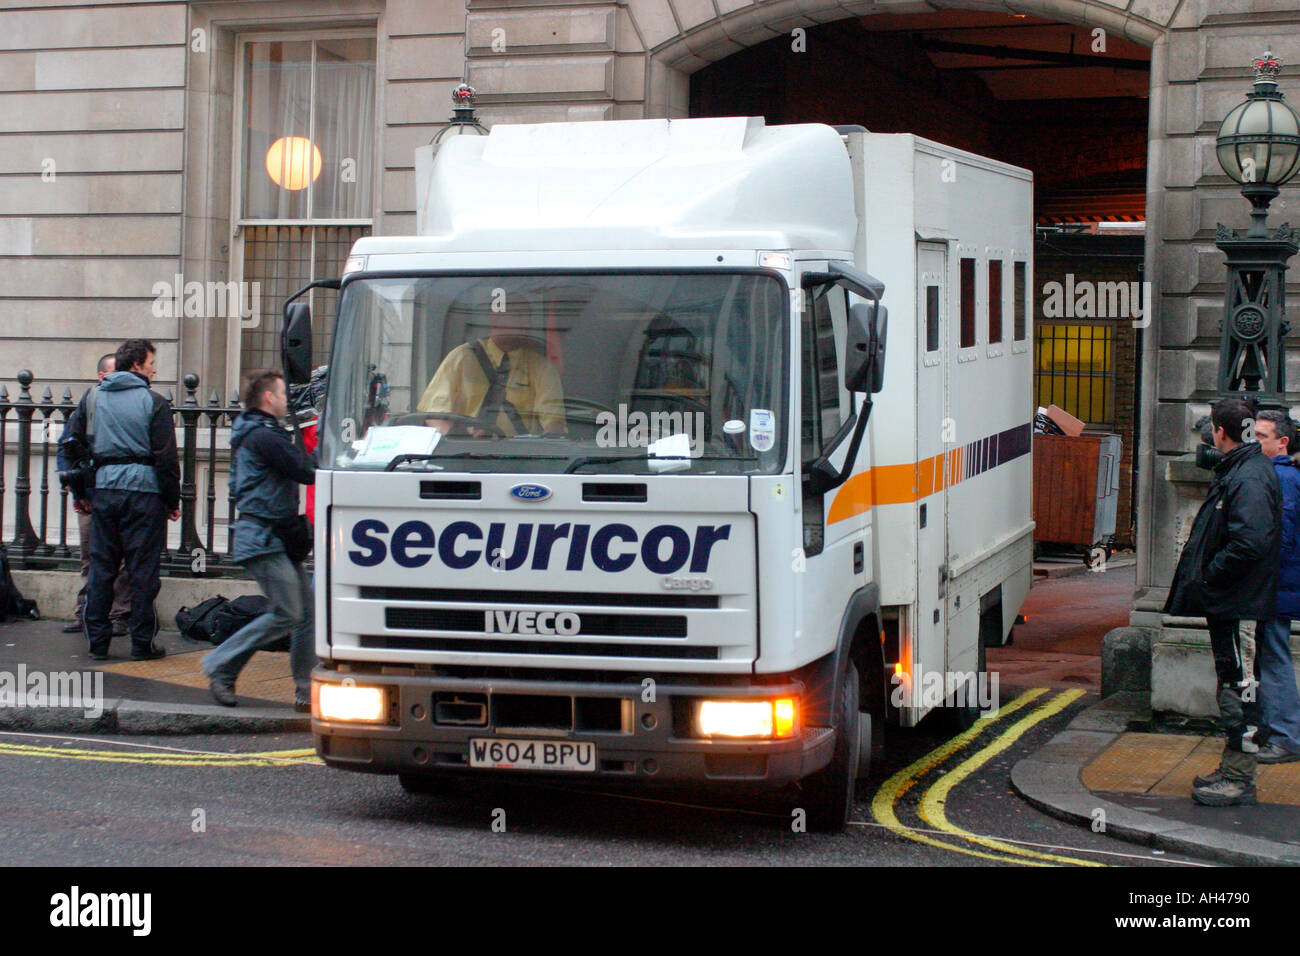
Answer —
1109 772
166 696
1114 768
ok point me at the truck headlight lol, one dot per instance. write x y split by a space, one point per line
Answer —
747 718
352 702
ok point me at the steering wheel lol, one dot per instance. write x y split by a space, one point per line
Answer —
671 399
583 404
422 418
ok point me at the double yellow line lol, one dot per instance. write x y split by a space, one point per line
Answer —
167 758
932 802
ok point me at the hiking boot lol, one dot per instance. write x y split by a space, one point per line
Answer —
152 653
1226 793
223 694
120 628
1208 780
302 704
1272 753
98 655
72 627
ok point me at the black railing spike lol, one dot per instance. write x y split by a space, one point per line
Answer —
4 393
47 396
214 399
67 395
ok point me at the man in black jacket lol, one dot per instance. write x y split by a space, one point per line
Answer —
1228 572
137 489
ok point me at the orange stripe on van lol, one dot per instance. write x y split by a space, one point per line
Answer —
901 484
887 485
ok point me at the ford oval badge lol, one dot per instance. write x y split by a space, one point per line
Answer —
530 492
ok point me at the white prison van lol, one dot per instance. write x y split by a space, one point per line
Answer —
621 478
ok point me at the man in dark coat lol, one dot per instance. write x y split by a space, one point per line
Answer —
1228 572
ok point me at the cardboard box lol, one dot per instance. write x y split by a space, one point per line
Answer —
1065 421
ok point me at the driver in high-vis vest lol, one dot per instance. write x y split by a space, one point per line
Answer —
502 382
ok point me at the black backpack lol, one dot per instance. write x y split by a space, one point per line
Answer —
217 618
196 623
13 606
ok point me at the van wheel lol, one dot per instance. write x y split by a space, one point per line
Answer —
866 743
828 794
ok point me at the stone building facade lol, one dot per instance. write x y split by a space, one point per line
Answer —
123 123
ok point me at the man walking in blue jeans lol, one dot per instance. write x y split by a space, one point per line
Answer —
1279 735
265 472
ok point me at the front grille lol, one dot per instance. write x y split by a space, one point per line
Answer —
464 645
599 625
547 599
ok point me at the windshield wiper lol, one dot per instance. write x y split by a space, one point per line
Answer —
589 459
474 455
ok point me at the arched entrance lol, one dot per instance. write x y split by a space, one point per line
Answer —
674 53
1067 102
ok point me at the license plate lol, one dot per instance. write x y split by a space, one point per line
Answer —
501 754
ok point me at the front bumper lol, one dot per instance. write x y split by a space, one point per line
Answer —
638 729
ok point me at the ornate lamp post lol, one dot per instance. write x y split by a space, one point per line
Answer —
1258 147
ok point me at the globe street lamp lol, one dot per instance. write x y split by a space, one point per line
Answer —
1258 146
463 119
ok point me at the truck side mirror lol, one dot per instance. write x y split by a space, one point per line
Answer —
880 329
295 343
864 359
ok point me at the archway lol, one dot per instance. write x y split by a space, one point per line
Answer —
1068 100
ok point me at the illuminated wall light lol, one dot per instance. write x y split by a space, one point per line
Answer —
293 162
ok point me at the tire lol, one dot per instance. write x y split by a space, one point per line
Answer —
867 742
426 785
828 793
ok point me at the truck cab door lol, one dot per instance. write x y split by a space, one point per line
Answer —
836 553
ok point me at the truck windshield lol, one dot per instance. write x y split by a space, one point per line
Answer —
616 373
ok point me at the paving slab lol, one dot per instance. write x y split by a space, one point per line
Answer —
54 687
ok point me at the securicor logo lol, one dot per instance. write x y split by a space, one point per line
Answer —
664 549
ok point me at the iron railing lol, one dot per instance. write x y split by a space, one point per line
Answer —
41 506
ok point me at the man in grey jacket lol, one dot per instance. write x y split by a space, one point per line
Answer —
137 489
266 469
